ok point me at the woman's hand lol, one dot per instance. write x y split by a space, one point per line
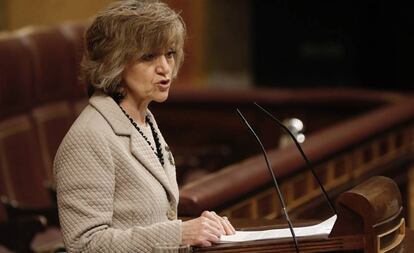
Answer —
225 226
205 230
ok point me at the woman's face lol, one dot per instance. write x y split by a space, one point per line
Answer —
149 78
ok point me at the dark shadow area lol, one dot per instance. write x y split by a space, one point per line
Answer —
319 43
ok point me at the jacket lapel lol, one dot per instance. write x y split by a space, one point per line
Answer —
143 152
138 145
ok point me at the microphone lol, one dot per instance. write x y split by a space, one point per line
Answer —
281 199
308 163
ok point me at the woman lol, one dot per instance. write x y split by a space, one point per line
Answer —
115 175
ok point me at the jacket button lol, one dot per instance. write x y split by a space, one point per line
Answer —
171 215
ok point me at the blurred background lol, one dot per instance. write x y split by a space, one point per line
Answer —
271 43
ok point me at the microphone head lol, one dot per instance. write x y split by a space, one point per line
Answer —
296 127
294 124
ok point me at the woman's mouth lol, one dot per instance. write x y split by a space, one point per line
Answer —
164 84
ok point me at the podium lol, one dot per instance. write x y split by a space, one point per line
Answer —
370 220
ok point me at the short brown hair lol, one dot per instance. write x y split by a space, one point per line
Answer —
126 31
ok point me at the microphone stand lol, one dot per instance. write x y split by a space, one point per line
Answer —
308 163
282 202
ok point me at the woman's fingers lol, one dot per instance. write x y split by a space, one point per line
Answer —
201 232
225 224
222 222
211 227
206 229
228 227
216 219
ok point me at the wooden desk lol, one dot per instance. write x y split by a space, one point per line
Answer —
268 245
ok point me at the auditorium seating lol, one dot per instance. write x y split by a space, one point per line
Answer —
38 92
39 100
41 95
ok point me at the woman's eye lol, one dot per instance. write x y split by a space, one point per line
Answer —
148 57
170 54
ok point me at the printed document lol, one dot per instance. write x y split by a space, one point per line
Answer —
323 228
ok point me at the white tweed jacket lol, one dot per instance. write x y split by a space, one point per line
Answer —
113 193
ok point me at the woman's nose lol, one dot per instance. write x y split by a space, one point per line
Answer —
163 67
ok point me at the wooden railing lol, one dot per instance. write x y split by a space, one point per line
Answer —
379 142
205 133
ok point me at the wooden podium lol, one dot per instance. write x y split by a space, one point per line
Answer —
369 220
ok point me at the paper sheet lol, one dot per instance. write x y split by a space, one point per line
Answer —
323 228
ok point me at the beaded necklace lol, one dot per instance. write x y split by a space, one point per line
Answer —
158 151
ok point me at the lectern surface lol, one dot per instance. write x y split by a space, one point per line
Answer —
268 245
